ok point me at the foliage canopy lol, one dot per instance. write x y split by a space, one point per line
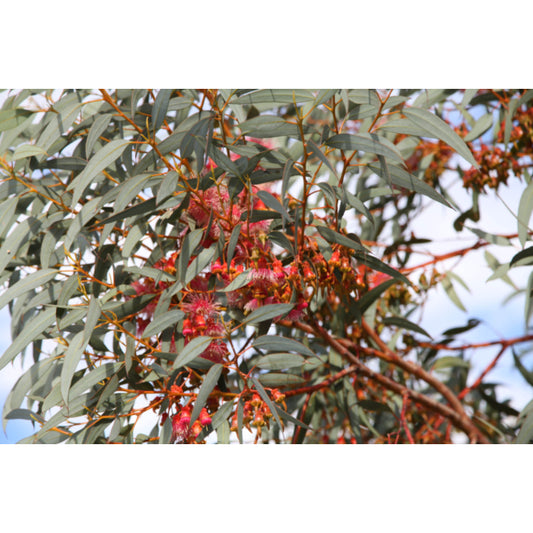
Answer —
242 262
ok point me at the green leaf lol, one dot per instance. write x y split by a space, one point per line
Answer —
525 208
12 118
368 143
336 237
160 322
450 291
209 383
16 239
526 374
280 361
437 128
266 126
375 264
450 361
489 237
98 127
267 312
160 108
70 362
35 279
27 150
235 234
31 331
240 281
479 128
166 432
168 186
94 310
276 96
271 201
405 324
281 379
316 151
188 246
372 295
193 349
262 392
204 258
100 161
471 324
525 257
277 343
401 178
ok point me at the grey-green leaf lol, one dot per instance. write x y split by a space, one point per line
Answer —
267 312
193 349
437 128
101 160
36 279
364 142
208 384
276 343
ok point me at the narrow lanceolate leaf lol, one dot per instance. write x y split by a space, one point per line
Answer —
280 361
160 108
267 312
403 179
240 281
375 264
450 291
27 150
526 374
36 279
368 143
275 343
525 257
17 238
315 150
31 331
479 128
98 127
437 128
70 362
525 208
263 393
338 238
93 314
195 347
235 234
405 324
160 322
271 201
208 384
101 160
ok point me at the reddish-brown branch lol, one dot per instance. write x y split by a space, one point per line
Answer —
478 381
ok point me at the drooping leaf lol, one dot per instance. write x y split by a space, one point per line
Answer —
160 108
338 238
208 384
37 279
280 361
267 312
100 161
31 331
276 343
437 128
193 349
525 208
160 322
371 143
405 324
